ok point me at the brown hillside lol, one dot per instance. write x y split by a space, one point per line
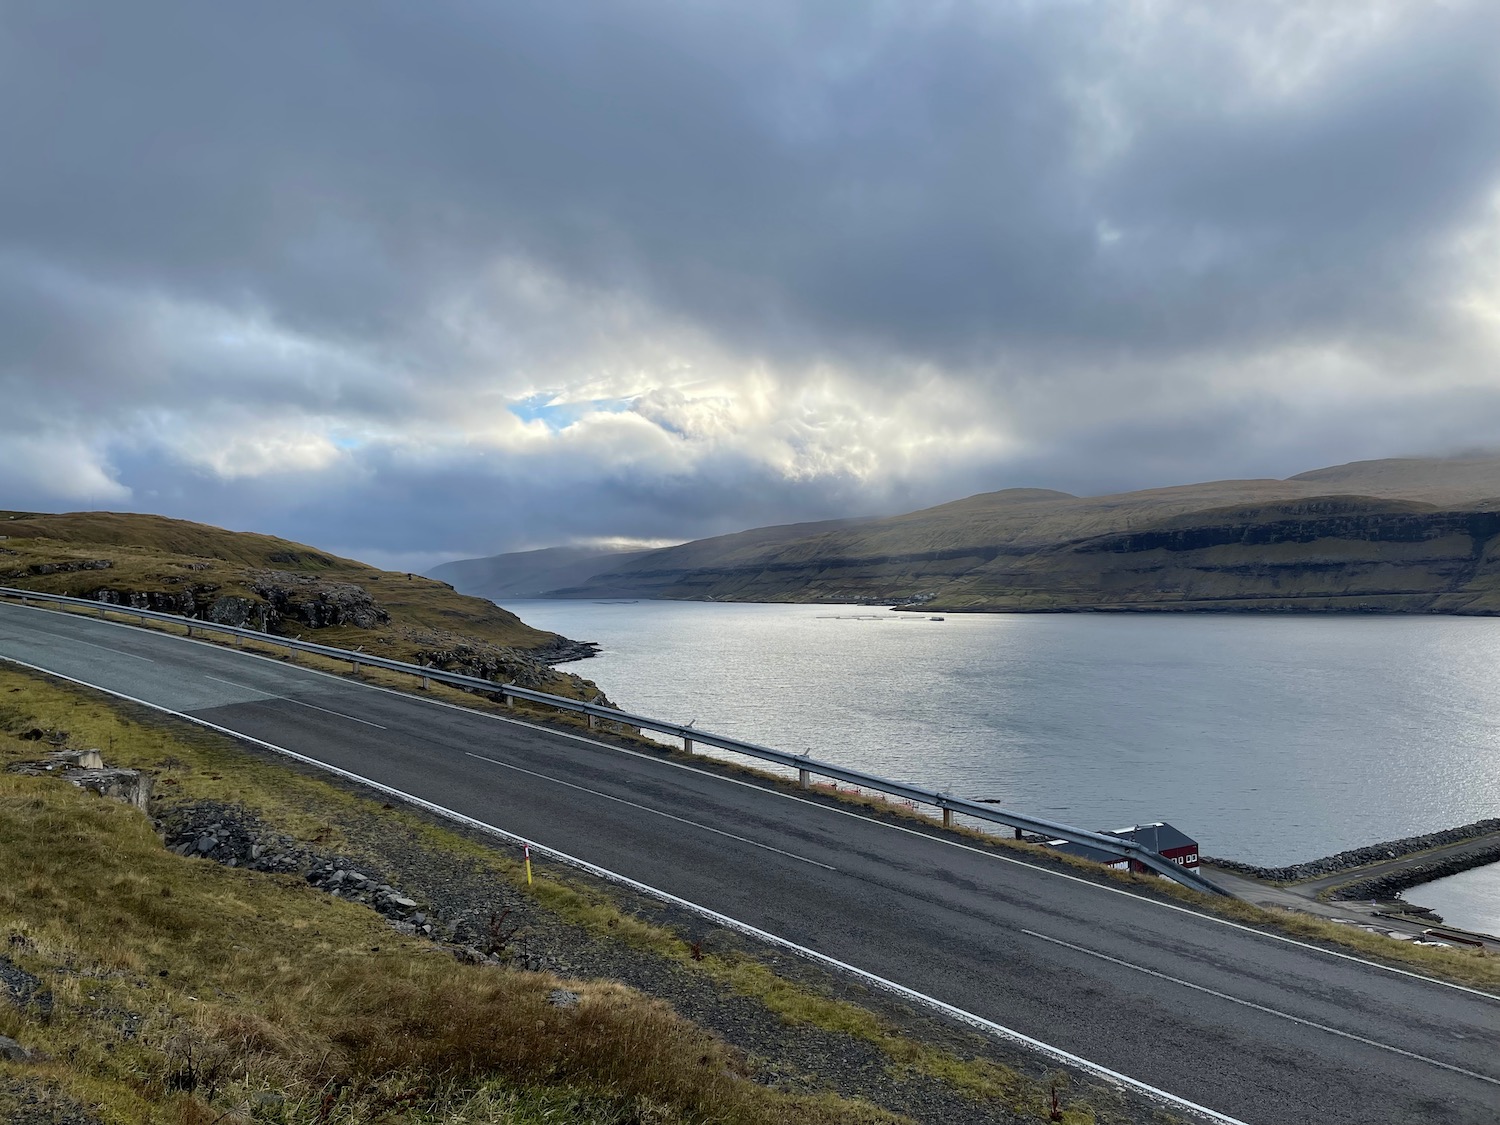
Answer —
262 582
1384 535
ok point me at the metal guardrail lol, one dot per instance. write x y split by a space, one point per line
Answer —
805 766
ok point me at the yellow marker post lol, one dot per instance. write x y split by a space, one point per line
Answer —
527 848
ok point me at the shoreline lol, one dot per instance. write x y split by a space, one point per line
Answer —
1391 852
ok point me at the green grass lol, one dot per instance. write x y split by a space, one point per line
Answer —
182 989
138 933
154 554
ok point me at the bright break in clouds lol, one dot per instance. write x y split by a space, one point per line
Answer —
417 281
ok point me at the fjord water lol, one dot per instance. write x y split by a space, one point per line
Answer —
1270 739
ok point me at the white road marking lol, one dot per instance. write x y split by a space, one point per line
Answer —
657 812
1262 1008
996 1029
289 699
804 801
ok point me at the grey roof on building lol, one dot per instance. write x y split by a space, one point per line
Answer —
1158 837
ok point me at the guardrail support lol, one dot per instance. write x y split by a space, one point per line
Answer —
354 666
427 686
947 818
593 721
687 745
803 779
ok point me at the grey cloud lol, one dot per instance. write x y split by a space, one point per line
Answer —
879 189
340 164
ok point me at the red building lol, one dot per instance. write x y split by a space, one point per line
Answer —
1160 837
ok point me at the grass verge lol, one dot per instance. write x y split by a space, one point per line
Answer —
273 988
185 992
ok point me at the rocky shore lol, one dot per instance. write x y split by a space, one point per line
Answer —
1379 853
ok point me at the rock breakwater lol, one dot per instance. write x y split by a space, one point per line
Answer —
1371 853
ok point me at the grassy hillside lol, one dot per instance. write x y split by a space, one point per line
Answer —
529 574
537 573
1406 535
262 582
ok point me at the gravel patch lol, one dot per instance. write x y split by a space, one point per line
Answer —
22 989
24 1102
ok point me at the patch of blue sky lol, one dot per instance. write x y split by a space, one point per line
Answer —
545 408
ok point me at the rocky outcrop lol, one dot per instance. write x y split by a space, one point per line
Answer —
315 602
183 602
234 837
243 613
531 669
86 769
69 566
283 597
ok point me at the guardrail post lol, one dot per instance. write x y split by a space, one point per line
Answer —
947 818
190 630
803 779
101 611
426 683
593 721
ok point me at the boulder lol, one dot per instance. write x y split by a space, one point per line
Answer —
13 1051
131 786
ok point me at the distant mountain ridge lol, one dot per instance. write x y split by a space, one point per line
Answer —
530 574
1398 535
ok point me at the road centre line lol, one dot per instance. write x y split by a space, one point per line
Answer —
289 699
999 1030
647 808
1262 1008
114 651
411 696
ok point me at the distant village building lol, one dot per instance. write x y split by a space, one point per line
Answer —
1160 837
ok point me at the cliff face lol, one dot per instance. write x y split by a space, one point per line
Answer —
1227 545
1347 554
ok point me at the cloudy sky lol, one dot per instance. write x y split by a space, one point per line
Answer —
420 281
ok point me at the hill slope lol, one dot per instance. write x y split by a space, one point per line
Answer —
1410 535
259 581
530 574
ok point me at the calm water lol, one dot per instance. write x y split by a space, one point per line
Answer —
1470 899
1270 739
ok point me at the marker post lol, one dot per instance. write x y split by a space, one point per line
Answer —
527 849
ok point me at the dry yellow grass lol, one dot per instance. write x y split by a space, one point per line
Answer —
267 948
153 554
184 992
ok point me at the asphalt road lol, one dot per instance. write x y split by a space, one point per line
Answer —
1262 1029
